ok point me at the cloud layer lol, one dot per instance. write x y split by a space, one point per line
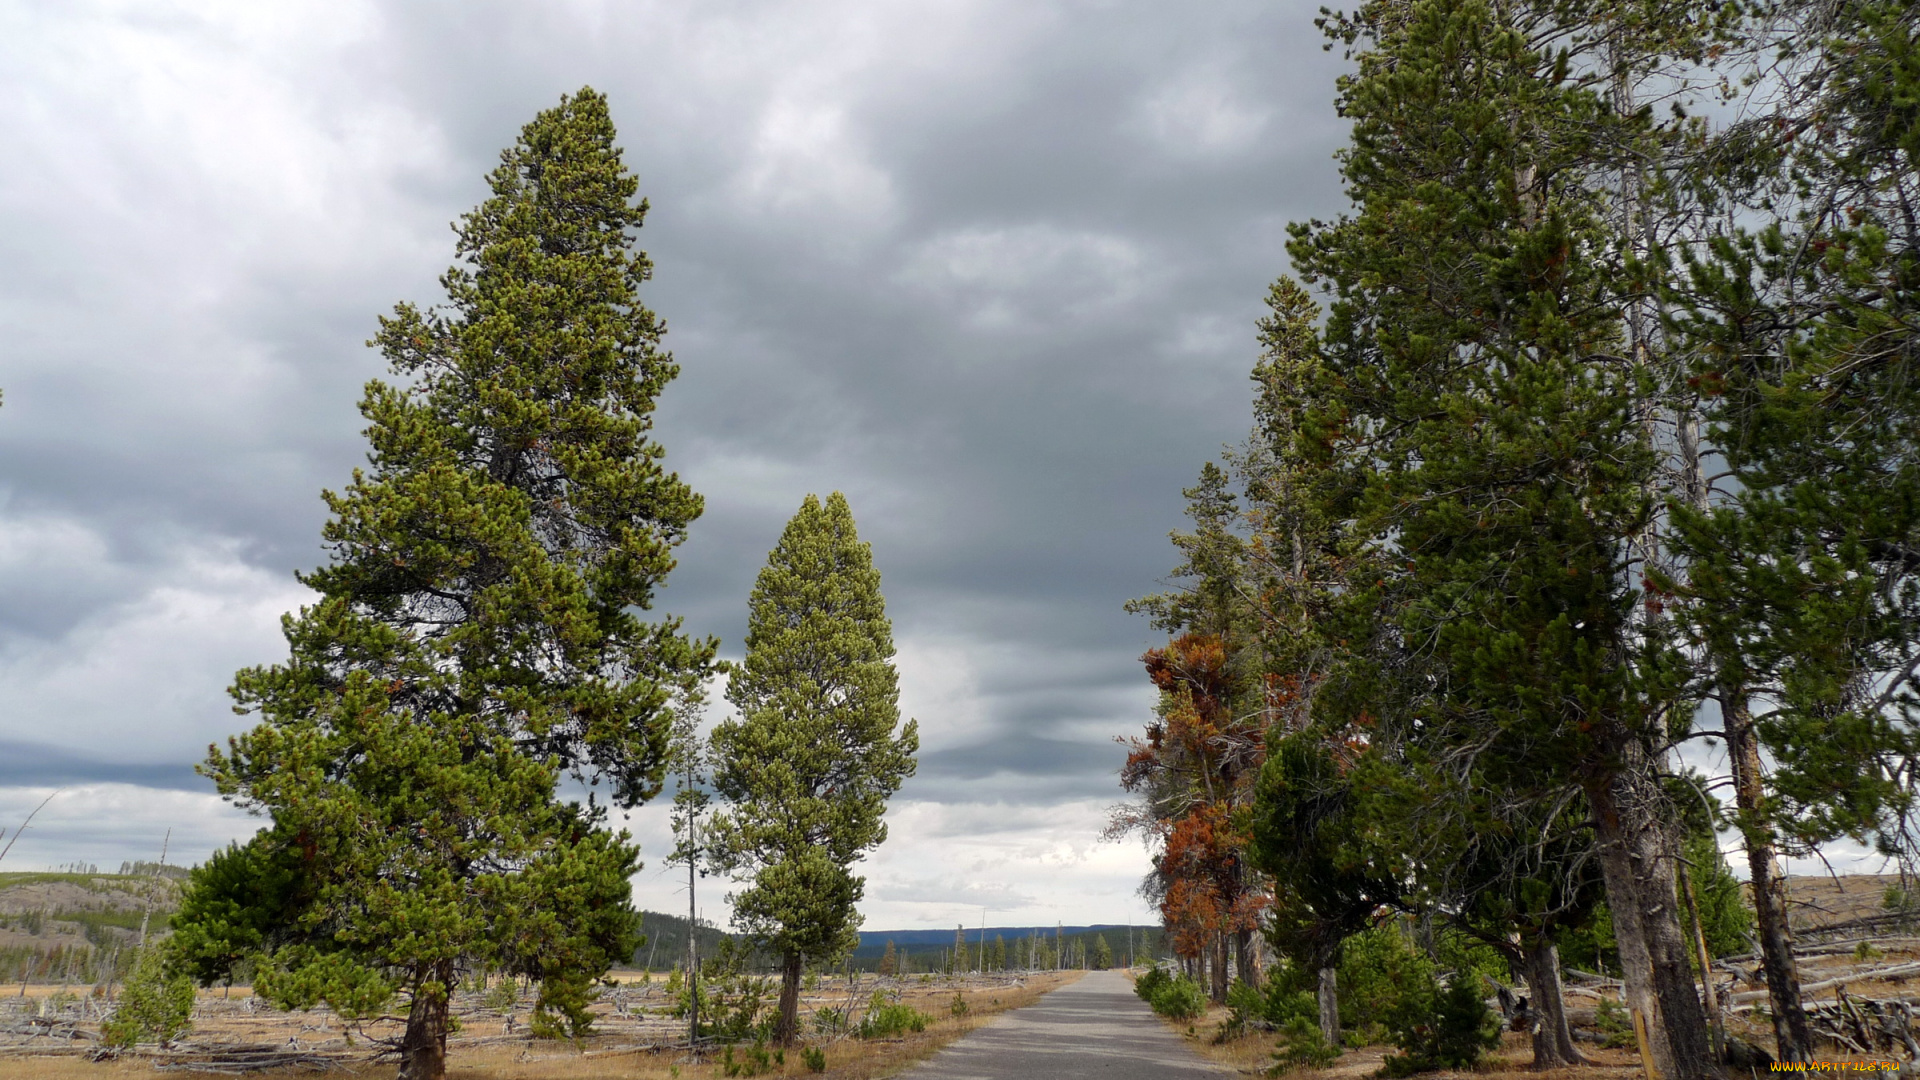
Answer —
990 268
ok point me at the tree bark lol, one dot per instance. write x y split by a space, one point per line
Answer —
1791 1036
1637 862
1219 993
423 1049
1330 1005
1552 1037
786 1028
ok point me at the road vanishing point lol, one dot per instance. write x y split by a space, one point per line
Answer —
1093 1028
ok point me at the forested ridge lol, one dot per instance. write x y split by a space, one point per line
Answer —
1576 532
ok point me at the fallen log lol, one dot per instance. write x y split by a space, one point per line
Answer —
1856 977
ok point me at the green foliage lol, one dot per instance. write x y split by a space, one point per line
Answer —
1378 968
505 995
1149 982
560 1012
302 976
1725 916
478 631
237 904
733 1000
755 1060
1302 1044
1436 1027
1591 945
1178 998
958 1006
156 1005
1311 831
808 766
886 1017
815 1059
1615 1024
1102 953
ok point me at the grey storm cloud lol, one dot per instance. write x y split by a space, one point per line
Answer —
991 268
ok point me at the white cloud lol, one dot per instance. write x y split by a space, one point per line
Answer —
1201 114
1021 276
106 824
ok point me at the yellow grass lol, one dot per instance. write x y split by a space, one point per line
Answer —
847 1058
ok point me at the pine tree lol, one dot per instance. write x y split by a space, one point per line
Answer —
889 961
1102 953
808 766
1481 311
478 632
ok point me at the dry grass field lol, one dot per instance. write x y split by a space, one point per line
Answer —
634 1040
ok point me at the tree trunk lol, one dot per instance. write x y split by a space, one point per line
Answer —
1219 991
786 1028
1716 1022
1790 1034
1246 964
423 1049
1552 1038
1637 863
1330 1005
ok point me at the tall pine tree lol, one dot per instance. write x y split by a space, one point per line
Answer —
818 748
1479 334
479 630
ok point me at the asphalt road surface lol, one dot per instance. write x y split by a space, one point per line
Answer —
1093 1028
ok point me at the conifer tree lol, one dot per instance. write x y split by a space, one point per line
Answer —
1802 584
817 749
478 632
1479 319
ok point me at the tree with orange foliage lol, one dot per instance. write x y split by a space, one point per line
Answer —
1192 772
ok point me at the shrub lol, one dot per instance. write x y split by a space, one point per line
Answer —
560 1012
1376 969
734 1003
504 995
1179 999
1615 1024
959 1006
814 1058
155 1005
1149 982
828 1020
1302 1043
753 1062
1446 1028
886 1018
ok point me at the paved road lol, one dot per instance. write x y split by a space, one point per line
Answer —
1094 1028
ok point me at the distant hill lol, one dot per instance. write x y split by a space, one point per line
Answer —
920 950
74 926
667 940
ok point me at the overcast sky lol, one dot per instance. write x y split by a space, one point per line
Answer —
990 268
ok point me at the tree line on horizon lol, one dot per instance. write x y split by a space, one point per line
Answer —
1587 434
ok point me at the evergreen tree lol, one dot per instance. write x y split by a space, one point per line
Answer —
1102 953
808 766
479 631
1480 314
1801 585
